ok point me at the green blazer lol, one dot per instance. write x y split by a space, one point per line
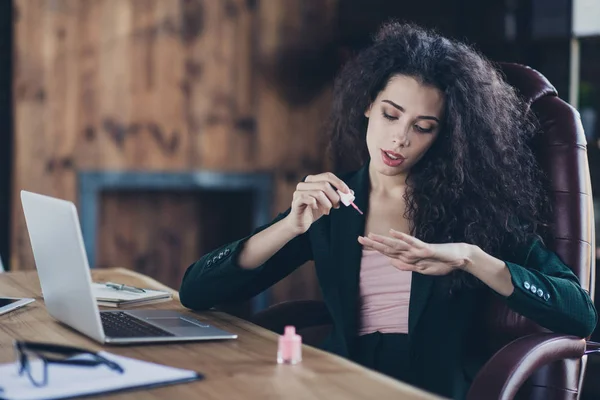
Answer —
445 346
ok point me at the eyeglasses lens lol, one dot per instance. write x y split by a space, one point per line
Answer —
34 366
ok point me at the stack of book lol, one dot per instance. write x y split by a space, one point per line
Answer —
117 295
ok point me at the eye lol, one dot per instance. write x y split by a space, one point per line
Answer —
423 130
388 116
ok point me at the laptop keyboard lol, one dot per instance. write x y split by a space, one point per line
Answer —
122 325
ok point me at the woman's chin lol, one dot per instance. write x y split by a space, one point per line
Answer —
387 170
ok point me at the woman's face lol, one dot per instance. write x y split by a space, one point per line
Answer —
404 121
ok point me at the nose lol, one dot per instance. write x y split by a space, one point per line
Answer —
400 137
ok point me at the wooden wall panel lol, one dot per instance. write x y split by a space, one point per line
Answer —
173 85
291 112
224 93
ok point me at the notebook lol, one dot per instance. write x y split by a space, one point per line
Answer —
109 297
66 381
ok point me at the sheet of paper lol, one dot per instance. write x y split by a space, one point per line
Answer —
67 381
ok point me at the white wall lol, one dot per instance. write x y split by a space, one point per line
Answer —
586 17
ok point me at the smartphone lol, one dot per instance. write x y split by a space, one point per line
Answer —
12 303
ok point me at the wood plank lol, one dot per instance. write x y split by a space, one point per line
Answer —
89 114
156 64
220 80
292 38
29 99
241 368
45 100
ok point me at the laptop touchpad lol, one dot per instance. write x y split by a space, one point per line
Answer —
176 323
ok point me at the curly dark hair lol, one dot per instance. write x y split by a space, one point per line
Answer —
479 182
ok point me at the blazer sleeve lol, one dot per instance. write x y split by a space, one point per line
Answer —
549 293
217 278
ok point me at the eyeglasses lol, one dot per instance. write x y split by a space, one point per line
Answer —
34 358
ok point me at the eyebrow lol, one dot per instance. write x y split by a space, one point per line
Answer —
403 110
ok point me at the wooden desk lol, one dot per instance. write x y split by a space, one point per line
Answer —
235 369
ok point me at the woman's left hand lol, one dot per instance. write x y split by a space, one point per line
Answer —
408 253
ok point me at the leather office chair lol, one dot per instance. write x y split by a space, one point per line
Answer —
531 362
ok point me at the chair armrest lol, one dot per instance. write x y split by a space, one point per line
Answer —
301 313
592 347
504 374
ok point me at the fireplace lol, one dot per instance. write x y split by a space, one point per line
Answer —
159 222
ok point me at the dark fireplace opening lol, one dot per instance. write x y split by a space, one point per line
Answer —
161 233
159 223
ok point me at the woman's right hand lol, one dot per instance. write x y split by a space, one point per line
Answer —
313 198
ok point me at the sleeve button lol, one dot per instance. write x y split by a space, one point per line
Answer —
526 285
546 297
226 251
540 292
533 289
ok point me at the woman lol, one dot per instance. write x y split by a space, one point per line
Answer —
454 208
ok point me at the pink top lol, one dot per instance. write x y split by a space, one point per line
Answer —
384 295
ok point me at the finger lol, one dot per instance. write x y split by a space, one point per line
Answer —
309 201
403 266
391 242
392 252
331 178
361 240
411 240
318 205
382 248
306 200
324 202
365 247
406 259
323 186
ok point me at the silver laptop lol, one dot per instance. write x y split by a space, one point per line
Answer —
65 278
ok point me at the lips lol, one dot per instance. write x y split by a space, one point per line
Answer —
391 158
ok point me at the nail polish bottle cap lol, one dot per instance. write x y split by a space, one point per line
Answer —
346 198
290 333
290 347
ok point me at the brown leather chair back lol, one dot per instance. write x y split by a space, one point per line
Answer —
560 148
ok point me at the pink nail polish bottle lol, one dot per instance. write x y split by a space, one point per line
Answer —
290 347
